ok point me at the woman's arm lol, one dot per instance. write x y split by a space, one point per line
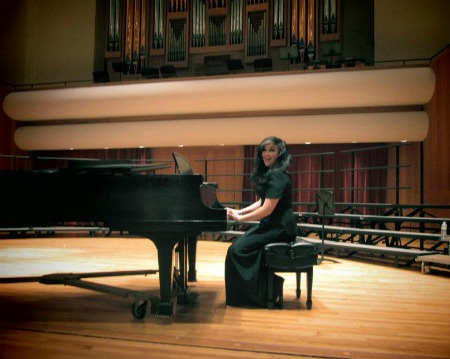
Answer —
255 212
234 212
250 208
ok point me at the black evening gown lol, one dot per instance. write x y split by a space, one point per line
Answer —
245 274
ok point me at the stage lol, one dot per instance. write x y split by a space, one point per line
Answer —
360 309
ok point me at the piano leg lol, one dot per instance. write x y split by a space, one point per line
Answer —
192 253
180 273
186 271
165 244
187 250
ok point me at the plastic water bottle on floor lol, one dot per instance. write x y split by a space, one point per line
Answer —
444 234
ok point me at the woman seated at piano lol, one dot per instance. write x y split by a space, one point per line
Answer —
245 275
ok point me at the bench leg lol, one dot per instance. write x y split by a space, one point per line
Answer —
298 291
270 274
309 273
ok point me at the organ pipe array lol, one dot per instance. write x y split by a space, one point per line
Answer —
158 25
198 23
113 28
177 41
256 35
217 32
177 5
174 27
278 19
236 22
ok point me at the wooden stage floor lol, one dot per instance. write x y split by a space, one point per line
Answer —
360 309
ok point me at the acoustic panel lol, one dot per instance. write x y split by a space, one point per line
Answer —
230 95
339 128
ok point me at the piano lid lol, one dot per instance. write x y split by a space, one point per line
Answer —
144 203
107 167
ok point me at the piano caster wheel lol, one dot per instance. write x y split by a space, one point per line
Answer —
139 308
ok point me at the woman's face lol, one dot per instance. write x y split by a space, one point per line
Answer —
270 154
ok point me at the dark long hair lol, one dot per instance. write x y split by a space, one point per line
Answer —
283 161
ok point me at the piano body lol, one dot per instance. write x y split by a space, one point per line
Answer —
167 209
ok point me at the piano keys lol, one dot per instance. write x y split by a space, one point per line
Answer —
167 209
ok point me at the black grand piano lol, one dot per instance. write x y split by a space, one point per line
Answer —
170 210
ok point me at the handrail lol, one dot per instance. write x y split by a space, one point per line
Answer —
14 156
53 84
381 205
428 59
404 61
65 83
376 147
440 51
252 158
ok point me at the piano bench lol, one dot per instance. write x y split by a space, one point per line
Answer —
296 257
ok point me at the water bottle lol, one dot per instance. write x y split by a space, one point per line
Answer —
444 229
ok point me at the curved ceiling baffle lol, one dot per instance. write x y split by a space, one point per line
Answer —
370 105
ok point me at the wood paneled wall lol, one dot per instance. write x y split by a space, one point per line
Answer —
437 143
409 176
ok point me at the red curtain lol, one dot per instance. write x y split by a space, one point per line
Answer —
356 173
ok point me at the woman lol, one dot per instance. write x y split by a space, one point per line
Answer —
245 275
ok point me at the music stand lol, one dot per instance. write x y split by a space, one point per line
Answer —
121 67
325 208
100 76
182 164
289 53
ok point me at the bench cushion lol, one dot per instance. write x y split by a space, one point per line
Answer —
290 256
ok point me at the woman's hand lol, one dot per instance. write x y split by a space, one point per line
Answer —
233 214
236 216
